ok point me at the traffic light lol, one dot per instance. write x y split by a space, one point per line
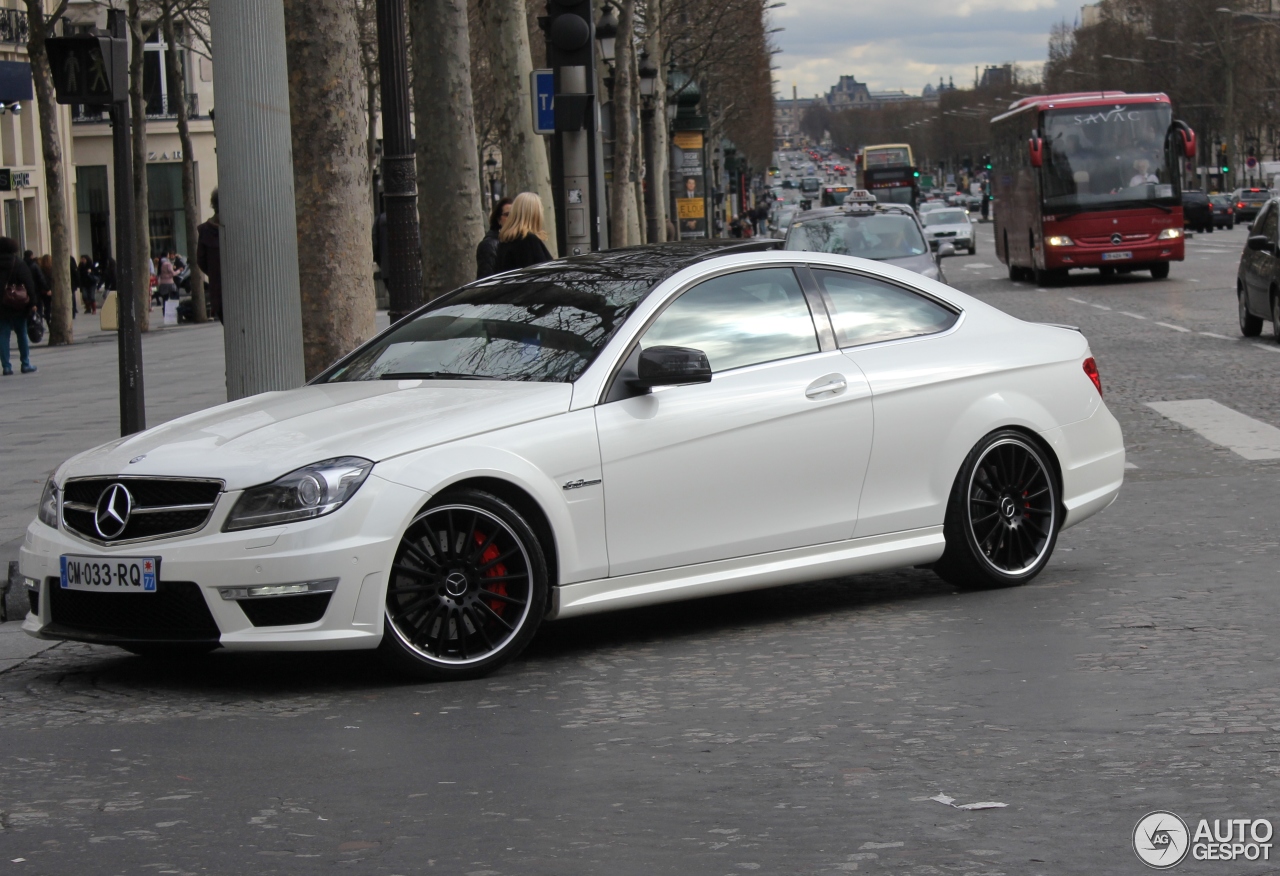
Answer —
1226 169
570 34
90 70
986 162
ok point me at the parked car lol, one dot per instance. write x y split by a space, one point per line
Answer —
1249 202
889 233
1197 212
950 225
1224 211
1258 277
750 416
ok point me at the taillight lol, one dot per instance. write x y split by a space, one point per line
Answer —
1240 205
1091 371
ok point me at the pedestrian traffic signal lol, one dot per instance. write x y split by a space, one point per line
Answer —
89 70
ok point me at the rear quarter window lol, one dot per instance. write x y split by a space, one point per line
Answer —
866 311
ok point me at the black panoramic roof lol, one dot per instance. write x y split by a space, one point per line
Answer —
650 263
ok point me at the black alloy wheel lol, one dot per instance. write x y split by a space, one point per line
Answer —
467 589
1004 515
1250 325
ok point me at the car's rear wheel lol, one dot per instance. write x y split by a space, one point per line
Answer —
1250 325
1004 514
1275 314
467 589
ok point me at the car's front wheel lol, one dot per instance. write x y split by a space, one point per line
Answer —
1004 514
467 589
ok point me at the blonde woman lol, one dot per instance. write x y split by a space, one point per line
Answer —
520 243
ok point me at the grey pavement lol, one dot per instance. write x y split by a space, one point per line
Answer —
799 730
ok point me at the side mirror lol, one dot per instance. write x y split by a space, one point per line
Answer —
945 250
1188 138
670 366
1036 148
1258 243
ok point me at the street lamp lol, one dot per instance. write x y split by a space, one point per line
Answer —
648 74
607 33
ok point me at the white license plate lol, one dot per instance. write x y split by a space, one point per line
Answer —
114 574
1111 256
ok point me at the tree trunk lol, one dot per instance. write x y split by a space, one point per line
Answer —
524 154
622 194
330 179
141 209
448 170
190 203
658 174
54 177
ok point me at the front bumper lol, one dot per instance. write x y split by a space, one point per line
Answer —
351 550
1086 256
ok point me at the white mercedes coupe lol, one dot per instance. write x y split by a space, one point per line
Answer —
619 429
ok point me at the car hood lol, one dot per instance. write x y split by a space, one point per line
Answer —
935 230
259 438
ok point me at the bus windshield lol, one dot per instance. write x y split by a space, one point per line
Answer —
1108 157
887 156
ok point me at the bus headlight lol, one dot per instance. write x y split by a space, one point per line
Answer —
1170 234
1059 240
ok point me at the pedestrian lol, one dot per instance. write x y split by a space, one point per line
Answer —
17 302
522 240
75 284
487 251
109 273
88 284
44 291
166 288
209 259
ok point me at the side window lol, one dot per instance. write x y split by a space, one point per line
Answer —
739 319
865 310
1270 223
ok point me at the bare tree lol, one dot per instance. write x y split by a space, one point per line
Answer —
448 161
331 174
175 69
367 28
524 154
40 27
138 33
622 214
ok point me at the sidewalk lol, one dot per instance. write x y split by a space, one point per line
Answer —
72 403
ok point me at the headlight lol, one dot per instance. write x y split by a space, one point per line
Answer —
1170 234
1059 240
48 513
311 491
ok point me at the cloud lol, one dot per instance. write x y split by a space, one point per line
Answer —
905 44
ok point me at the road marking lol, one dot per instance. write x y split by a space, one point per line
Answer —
977 265
1176 328
1223 426
1100 306
1077 301
1268 347
1219 337
1127 313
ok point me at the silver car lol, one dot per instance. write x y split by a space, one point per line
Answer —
950 225
888 233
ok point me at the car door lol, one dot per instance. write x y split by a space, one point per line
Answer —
769 455
1260 264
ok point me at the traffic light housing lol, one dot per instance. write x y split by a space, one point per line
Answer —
88 69
570 31
986 162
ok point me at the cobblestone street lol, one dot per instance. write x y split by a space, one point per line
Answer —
802 730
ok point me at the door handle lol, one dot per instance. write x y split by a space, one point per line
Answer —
831 384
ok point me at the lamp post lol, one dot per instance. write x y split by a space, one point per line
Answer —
648 72
403 268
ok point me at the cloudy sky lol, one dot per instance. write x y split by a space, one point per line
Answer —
903 44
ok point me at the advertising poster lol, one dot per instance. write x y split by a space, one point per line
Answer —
689 182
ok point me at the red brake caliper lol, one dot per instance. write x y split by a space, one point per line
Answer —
497 570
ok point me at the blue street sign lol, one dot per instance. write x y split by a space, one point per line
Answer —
543 89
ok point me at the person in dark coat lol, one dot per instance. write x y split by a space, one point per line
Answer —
44 291
522 240
88 285
487 251
209 259
14 271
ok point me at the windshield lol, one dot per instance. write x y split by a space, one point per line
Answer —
891 157
893 195
810 184
1106 157
945 217
540 328
868 237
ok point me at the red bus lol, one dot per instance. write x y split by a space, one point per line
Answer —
1089 180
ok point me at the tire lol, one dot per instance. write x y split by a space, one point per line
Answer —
1003 515
1107 272
447 617
1160 270
1015 273
973 249
1275 315
1048 277
1250 325
1209 228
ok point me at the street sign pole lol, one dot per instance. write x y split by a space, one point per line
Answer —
133 416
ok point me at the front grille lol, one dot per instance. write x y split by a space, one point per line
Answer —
1125 239
175 612
161 506
280 611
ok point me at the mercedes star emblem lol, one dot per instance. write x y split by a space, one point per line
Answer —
112 514
1116 238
